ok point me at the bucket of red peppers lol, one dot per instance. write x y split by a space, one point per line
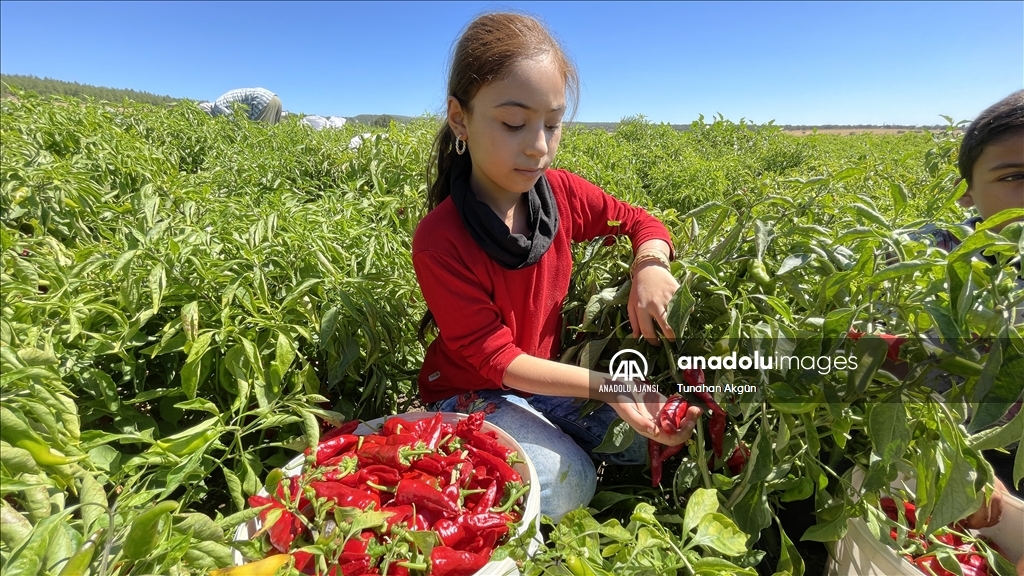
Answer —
416 494
965 547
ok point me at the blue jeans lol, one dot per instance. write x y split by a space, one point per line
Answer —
558 441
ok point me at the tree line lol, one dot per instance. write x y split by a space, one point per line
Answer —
53 87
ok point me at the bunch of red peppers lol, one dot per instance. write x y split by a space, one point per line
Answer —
671 417
452 485
972 563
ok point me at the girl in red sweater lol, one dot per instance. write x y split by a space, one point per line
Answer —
493 259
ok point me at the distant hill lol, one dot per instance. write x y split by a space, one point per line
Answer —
52 87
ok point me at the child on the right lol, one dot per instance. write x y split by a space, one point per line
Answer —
991 161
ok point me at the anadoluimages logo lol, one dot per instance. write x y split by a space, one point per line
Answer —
627 369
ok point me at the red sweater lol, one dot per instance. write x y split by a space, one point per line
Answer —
488 315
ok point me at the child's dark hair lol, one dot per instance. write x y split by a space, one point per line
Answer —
489 49
997 121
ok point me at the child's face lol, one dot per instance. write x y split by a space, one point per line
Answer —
514 128
997 179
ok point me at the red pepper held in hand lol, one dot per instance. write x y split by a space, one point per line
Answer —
672 413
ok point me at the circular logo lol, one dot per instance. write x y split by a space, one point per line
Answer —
627 369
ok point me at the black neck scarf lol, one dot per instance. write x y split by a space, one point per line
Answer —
512 251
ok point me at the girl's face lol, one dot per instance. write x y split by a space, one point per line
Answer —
997 180
514 128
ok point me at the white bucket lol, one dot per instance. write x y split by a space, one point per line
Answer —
861 554
531 513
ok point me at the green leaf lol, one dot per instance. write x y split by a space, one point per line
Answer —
956 494
718 532
702 502
999 386
870 352
328 325
679 309
93 500
299 292
887 427
908 268
234 488
606 499
828 531
1000 436
793 262
998 218
751 512
712 566
803 489
157 285
790 561
190 320
285 353
760 464
190 372
619 436
123 260
201 404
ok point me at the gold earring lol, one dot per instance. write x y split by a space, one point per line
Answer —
460 151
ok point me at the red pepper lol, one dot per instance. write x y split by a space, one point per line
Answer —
471 423
436 464
909 511
659 453
430 433
340 466
973 561
488 444
345 495
411 491
406 513
451 494
399 457
695 377
488 498
485 524
285 529
395 426
654 449
379 474
303 561
345 428
672 413
502 470
716 429
930 565
341 443
449 531
894 342
445 561
404 439
738 460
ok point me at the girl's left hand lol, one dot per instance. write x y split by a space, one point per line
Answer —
652 290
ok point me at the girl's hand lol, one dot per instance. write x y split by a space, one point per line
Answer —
639 410
652 290
989 514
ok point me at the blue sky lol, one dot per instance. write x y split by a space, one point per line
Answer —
795 63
